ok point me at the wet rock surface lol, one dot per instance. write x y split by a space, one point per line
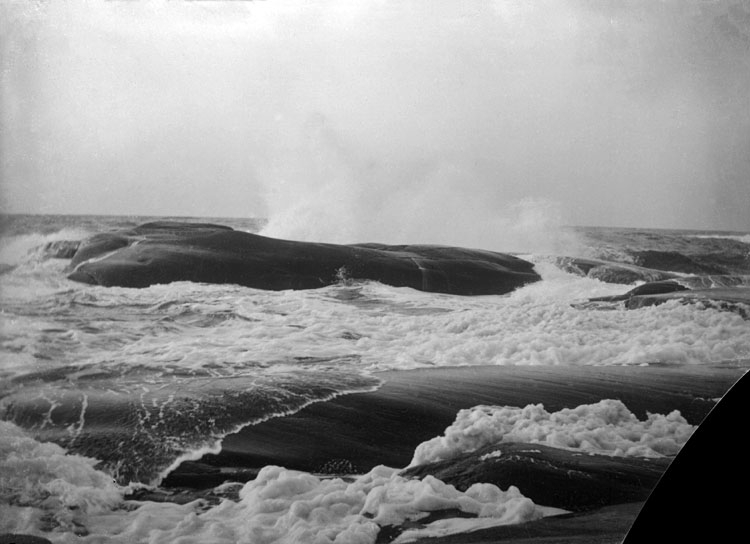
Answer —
164 252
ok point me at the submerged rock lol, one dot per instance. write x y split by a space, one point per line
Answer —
164 252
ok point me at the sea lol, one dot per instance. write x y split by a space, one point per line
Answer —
105 390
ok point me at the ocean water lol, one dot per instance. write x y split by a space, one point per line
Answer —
105 389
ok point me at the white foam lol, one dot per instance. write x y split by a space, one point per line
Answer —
40 479
492 455
284 506
380 327
43 487
606 427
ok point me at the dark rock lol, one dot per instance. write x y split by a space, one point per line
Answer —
674 261
338 466
652 288
165 252
611 272
729 292
22 539
714 281
197 475
97 246
551 476
736 299
209 496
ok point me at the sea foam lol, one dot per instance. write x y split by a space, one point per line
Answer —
284 507
63 497
606 427
42 485
52 493
387 328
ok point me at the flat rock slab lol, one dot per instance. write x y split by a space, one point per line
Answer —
165 252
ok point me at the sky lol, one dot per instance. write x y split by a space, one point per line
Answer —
447 121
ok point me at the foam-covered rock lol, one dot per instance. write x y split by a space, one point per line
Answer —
605 427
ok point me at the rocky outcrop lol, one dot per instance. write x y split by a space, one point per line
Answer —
610 272
730 292
676 262
165 252
732 299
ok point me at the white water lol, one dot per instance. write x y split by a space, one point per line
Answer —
374 326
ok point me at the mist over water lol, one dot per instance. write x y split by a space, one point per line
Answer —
484 124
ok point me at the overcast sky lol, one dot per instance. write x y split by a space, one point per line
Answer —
381 120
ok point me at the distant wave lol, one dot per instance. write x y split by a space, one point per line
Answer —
744 238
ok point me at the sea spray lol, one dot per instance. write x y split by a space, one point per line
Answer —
304 212
33 247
